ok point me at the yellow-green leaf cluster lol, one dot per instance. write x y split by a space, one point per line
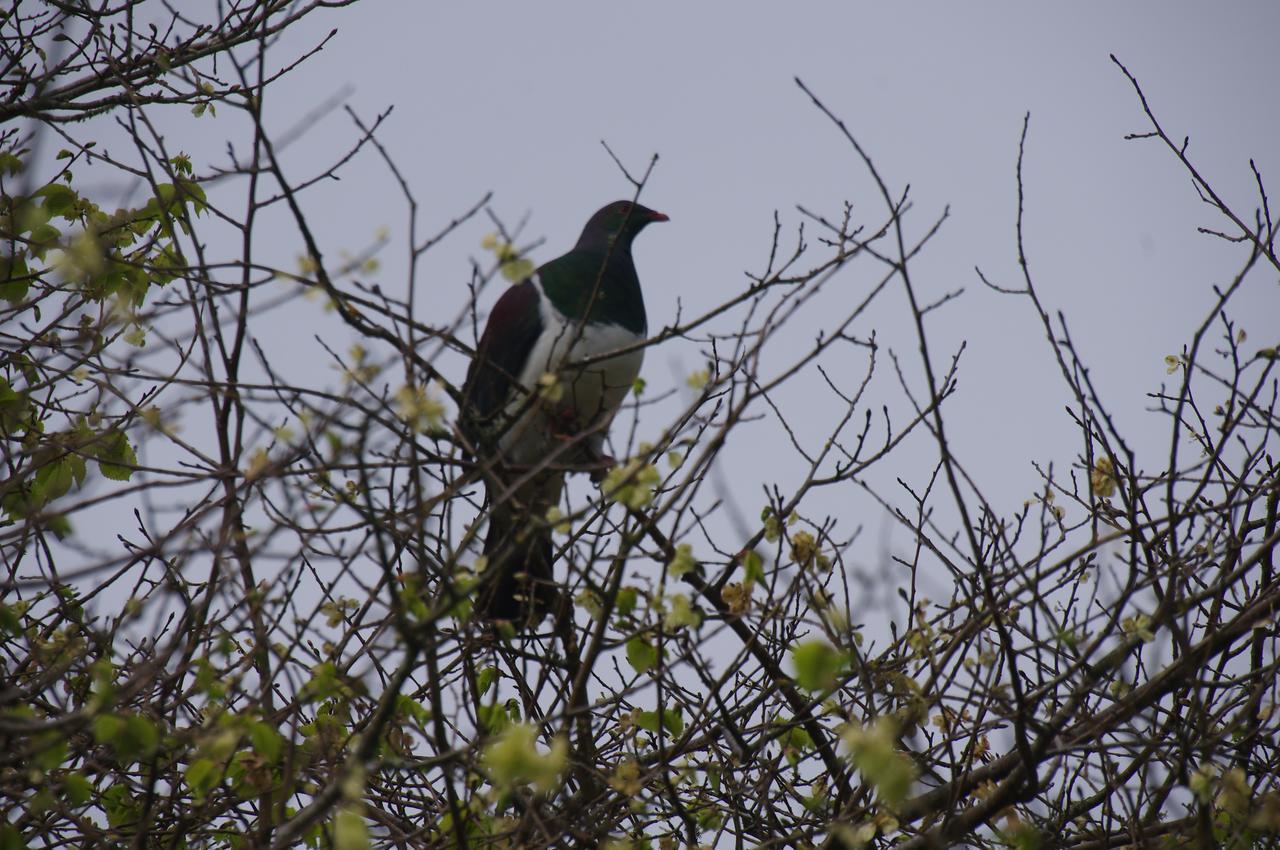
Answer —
772 525
737 595
632 484
418 408
669 719
873 749
698 379
1103 477
681 613
511 264
550 389
514 759
1138 625
350 831
642 655
590 602
683 562
817 664
804 548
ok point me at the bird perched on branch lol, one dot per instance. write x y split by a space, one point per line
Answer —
540 395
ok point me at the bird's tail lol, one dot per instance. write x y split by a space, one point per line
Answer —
519 552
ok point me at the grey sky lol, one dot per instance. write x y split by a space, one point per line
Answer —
516 98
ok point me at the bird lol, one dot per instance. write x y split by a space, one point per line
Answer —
533 409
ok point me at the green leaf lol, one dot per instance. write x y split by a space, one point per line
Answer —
492 718
800 739
626 603
708 817
324 683
873 749
44 236
78 789
514 759
681 613
10 836
139 739
59 525
42 802
794 739
772 528
165 193
1026 837
53 752
202 777
672 720
9 622
107 728
52 480
10 163
59 200
632 484
136 336
315 833
350 832
116 457
647 720
15 279
413 599
208 680
266 741
29 215
413 709
817 663
683 562
516 270
753 566
15 408
641 654
77 467
485 680
120 805
133 737
195 194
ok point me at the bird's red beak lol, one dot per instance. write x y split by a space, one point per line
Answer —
657 216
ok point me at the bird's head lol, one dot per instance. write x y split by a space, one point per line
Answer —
620 219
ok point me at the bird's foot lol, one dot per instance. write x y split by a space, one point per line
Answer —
563 423
600 467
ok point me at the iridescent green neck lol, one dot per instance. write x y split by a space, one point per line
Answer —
580 284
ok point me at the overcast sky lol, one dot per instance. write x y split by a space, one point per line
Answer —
515 98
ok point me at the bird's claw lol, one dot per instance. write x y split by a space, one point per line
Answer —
600 468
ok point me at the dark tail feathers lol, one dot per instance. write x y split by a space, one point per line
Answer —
522 585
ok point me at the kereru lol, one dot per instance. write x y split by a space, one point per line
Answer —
530 401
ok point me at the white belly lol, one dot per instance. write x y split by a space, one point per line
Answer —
588 395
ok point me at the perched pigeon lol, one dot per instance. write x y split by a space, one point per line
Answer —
533 408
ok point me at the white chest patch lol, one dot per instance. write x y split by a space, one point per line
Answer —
585 396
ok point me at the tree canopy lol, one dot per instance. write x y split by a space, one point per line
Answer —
237 607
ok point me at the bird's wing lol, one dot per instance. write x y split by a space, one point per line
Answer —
509 336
